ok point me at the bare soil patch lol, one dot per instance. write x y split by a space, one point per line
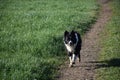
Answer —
85 70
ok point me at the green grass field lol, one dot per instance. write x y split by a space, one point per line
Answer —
31 31
110 53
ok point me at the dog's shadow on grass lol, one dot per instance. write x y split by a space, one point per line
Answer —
102 64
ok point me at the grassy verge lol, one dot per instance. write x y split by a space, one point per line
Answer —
31 32
110 53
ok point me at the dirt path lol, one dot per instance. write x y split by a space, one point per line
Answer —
85 70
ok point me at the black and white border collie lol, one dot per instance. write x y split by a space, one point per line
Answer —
72 41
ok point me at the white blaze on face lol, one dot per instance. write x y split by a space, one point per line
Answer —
69 42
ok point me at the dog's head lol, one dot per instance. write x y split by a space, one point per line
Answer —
70 38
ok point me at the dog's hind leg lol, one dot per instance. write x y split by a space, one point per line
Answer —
79 57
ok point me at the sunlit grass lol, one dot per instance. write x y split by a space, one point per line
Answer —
111 46
31 33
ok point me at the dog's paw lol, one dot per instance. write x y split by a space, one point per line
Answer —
73 62
70 65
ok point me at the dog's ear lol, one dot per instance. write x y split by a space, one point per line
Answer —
66 33
72 32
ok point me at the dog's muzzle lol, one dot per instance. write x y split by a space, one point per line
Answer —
70 43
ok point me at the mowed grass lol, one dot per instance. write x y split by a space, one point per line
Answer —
110 54
31 31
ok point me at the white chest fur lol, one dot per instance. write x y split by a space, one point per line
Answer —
70 48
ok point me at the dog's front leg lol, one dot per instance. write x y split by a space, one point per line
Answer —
70 58
73 58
